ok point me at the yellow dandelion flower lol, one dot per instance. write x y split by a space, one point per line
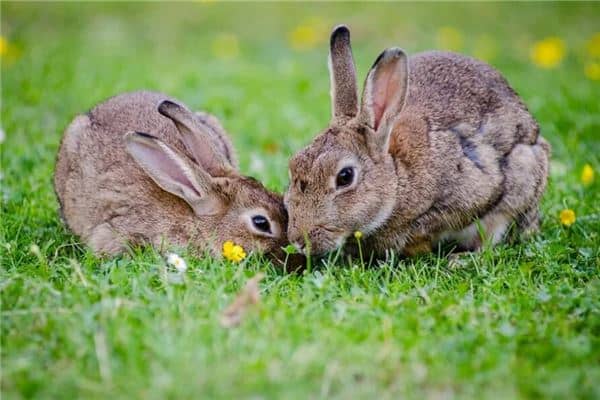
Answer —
233 252
3 46
593 46
592 70
449 38
587 174
308 35
567 217
548 53
226 46
358 235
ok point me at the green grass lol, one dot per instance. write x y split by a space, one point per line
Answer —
517 321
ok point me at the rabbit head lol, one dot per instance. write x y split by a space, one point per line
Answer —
346 180
229 206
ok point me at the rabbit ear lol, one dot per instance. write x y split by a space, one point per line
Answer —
344 96
205 145
385 93
172 172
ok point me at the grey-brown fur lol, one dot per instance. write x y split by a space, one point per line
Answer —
342 71
109 200
459 147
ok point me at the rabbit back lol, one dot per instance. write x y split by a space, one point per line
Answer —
450 89
486 152
105 197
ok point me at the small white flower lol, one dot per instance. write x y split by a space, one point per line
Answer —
175 261
35 250
257 165
2 135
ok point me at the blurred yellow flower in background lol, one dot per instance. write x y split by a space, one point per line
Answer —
548 53
226 46
587 174
593 46
485 48
567 217
308 34
3 46
358 235
271 147
233 252
592 70
449 38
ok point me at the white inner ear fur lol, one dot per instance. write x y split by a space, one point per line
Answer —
247 219
332 84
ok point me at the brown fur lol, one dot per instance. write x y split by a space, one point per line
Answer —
459 147
109 200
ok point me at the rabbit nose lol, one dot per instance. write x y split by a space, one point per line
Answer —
297 240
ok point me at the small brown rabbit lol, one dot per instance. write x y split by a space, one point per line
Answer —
440 148
141 168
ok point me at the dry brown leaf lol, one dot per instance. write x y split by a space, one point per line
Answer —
248 296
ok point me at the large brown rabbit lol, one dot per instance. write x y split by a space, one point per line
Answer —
440 148
141 168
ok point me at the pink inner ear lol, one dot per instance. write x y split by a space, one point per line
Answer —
172 169
386 84
161 166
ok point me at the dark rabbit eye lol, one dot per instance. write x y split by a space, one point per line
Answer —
261 223
345 177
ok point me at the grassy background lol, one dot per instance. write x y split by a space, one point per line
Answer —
513 322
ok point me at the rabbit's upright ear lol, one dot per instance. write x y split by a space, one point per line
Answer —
384 93
205 145
173 172
344 95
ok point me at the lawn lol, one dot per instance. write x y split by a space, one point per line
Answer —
520 321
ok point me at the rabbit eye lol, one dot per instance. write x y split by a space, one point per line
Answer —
261 223
345 177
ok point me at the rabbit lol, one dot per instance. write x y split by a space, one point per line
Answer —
140 168
439 149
